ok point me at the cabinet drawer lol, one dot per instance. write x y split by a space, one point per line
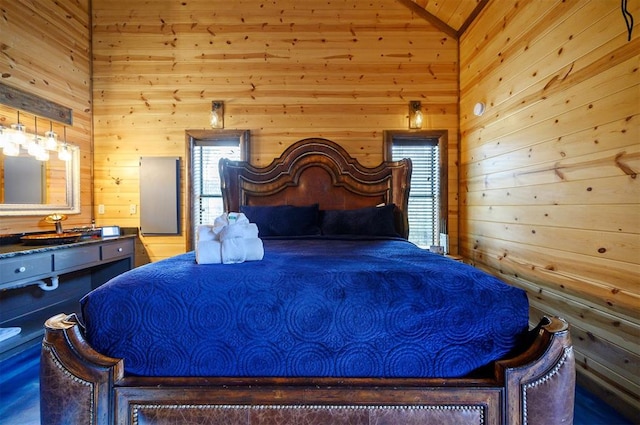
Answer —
24 267
117 249
74 257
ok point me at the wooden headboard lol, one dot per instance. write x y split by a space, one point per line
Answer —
318 171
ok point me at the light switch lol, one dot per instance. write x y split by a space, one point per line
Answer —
132 209
101 209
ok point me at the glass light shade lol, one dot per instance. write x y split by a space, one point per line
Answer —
19 135
64 153
51 141
415 114
33 146
417 119
217 114
11 148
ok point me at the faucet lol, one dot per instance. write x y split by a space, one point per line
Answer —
57 220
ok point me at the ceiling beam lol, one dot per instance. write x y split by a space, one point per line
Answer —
437 22
481 5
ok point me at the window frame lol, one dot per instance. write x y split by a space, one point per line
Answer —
441 137
193 137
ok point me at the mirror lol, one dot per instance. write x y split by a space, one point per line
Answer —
32 187
29 186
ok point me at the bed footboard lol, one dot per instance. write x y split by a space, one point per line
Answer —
540 383
76 382
81 386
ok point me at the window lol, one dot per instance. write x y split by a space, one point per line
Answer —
427 198
206 148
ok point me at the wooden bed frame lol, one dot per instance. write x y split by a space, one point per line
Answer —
81 386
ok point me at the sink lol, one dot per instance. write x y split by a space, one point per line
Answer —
51 238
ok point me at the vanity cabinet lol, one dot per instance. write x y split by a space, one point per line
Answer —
39 282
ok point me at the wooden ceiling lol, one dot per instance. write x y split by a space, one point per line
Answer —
451 16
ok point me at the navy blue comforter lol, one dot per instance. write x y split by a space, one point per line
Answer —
311 307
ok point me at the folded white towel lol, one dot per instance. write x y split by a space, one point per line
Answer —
208 252
238 250
205 233
244 231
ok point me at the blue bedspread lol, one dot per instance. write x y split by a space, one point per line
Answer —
342 308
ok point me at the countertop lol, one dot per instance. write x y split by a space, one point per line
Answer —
18 248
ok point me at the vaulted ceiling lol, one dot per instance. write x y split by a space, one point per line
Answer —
451 16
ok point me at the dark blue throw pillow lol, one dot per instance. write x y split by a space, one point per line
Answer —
372 221
283 220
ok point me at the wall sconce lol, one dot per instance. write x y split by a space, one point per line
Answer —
217 114
478 109
16 138
415 114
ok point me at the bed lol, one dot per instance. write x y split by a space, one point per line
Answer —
342 322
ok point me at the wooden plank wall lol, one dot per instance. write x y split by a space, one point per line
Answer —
549 189
286 70
549 194
45 51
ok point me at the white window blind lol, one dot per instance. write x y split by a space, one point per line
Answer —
207 196
424 197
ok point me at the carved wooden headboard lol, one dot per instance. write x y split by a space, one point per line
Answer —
318 171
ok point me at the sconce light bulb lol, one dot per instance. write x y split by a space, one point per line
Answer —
418 119
217 114
215 119
415 114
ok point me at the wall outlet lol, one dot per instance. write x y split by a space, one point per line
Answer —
101 209
132 208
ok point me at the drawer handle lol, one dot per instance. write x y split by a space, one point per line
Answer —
22 269
119 249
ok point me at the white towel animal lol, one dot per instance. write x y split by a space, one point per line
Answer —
231 239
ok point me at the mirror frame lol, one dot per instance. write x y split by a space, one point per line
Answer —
72 189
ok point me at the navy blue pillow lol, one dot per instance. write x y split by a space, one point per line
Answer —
372 221
283 220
